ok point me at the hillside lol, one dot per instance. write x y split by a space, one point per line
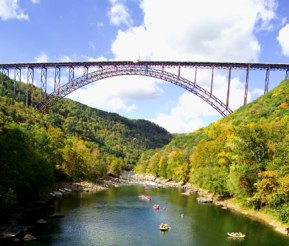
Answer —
244 155
71 141
112 133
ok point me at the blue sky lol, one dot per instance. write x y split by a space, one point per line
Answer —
171 30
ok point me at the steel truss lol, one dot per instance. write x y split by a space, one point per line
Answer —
113 71
155 69
17 77
30 82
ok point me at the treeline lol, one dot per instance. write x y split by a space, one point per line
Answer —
244 155
71 141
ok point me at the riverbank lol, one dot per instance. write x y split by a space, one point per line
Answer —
17 222
267 218
230 204
120 216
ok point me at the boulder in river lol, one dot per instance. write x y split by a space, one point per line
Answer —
41 221
29 237
57 215
204 200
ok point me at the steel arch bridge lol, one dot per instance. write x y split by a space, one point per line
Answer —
154 69
141 71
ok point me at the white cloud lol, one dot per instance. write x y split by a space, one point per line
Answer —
265 13
89 58
35 1
257 92
91 45
43 57
9 9
283 21
117 93
66 58
283 39
119 14
193 30
184 116
99 24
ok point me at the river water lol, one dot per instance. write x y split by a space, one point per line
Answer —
118 217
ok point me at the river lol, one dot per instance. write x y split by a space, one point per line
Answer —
118 217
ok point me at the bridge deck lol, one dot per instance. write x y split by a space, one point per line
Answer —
217 65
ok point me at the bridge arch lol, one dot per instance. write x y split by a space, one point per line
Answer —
112 71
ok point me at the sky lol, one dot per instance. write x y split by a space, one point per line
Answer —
151 30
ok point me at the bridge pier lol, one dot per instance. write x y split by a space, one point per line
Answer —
212 81
17 77
57 79
228 89
195 78
71 73
43 80
29 89
267 80
5 71
247 84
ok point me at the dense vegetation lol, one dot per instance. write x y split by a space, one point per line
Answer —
244 155
72 142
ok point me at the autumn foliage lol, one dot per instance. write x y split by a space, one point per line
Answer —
244 155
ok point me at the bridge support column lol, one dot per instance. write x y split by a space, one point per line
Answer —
29 91
57 79
5 71
267 80
247 85
195 79
228 89
85 71
43 84
212 81
71 74
17 78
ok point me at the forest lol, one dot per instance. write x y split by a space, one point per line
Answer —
70 142
244 156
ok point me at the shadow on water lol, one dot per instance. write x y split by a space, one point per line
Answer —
118 217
